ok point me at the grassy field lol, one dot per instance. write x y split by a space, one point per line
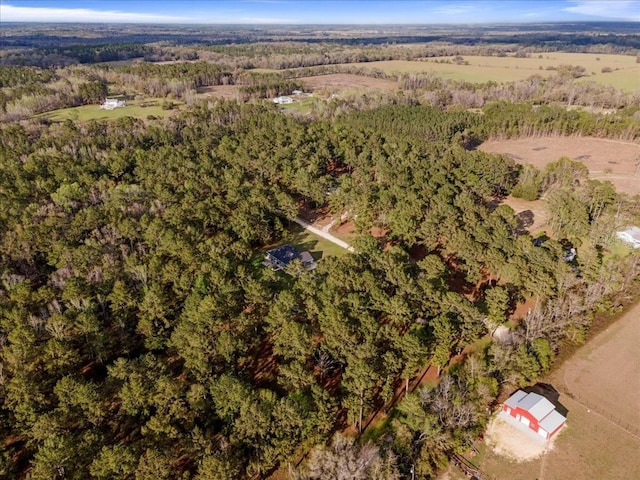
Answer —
303 106
625 72
94 112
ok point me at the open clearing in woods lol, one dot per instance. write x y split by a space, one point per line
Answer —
346 81
332 83
611 160
133 108
601 438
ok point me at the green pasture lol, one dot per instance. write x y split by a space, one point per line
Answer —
94 112
304 106
627 79
625 72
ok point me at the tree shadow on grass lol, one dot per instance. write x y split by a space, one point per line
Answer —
526 218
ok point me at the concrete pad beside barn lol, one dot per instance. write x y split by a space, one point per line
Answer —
509 438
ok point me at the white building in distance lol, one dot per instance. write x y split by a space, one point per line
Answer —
631 236
111 103
282 100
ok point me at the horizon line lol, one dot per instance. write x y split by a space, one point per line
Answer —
281 24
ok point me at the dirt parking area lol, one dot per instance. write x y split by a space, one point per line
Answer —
606 159
505 440
532 215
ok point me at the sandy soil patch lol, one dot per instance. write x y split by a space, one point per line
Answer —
506 440
532 215
611 160
343 81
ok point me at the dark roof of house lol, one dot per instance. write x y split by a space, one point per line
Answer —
285 254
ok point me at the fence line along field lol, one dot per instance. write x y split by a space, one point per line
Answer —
620 71
616 161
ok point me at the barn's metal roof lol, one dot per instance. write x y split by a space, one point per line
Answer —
538 406
552 421
513 400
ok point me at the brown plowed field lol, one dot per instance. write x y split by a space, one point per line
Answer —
228 92
611 160
345 81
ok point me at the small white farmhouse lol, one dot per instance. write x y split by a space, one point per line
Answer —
282 100
631 236
111 103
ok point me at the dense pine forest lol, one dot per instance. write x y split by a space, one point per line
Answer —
141 337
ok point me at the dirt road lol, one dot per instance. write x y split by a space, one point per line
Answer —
325 235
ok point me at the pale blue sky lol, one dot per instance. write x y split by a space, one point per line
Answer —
318 11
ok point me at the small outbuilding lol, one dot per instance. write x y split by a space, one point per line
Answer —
111 103
279 258
631 236
283 100
535 412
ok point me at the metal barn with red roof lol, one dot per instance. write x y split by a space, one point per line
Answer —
534 411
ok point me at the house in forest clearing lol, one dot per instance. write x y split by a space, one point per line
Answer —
631 236
111 103
279 258
533 411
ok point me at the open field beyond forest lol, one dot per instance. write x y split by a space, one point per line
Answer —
611 160
624 74
332 83
346 81
228 92
602 436
85 113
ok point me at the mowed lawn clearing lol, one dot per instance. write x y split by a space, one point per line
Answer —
602 437
318 247
94 112
611 160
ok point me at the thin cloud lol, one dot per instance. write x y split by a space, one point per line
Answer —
454 9
266 20
618 9
10 13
